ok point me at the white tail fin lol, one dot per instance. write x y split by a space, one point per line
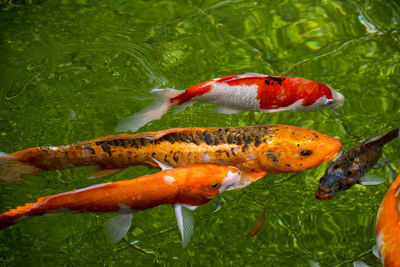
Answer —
13 170
153 112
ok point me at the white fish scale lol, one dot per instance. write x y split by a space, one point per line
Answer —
243 97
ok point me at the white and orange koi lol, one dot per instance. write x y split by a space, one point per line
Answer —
185 188
237 93
388 227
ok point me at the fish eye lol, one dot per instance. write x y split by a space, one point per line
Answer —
329 101
214 185
306 152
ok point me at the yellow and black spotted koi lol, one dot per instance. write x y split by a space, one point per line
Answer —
255 150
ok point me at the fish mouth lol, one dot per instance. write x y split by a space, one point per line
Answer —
321 196
339 98
334 152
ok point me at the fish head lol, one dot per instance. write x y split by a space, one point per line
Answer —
337 178
210 181
297 149
321 96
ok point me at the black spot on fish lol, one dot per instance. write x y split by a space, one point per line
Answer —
124 142
230 138
106 149
233 150
87 147
257 141
169 138
143 141
176 156
207 138
216 142
117 142
167 161
153 154
306 152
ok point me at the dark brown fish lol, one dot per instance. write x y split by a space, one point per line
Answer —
348 170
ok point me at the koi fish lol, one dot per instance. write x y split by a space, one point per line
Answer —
255 150
388 227
352 166
237 93
185 188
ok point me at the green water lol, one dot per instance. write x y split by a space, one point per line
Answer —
70 70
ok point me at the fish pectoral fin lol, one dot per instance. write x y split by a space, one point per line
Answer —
381 163
185 221
183 106
249 177
375 251
227 110
103 172
162 165
371 179
117 227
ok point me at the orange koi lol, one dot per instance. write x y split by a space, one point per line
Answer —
255 150
185 188
388 227
237 93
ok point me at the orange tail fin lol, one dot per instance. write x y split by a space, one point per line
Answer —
13 216
13 170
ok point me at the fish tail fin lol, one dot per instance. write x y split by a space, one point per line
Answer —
13 216
153 112
13 170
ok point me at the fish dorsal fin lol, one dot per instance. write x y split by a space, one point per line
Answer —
185 221
162 165
371 179
117 227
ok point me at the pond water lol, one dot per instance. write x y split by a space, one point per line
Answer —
71 70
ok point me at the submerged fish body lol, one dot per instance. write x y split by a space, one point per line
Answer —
255 150
388 226
237 93
185 188
347 170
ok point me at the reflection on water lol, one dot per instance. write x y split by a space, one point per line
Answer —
72 69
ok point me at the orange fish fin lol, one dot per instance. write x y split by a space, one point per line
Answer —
103 172
12 170
252 176
259 224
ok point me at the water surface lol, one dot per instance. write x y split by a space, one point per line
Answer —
70 70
